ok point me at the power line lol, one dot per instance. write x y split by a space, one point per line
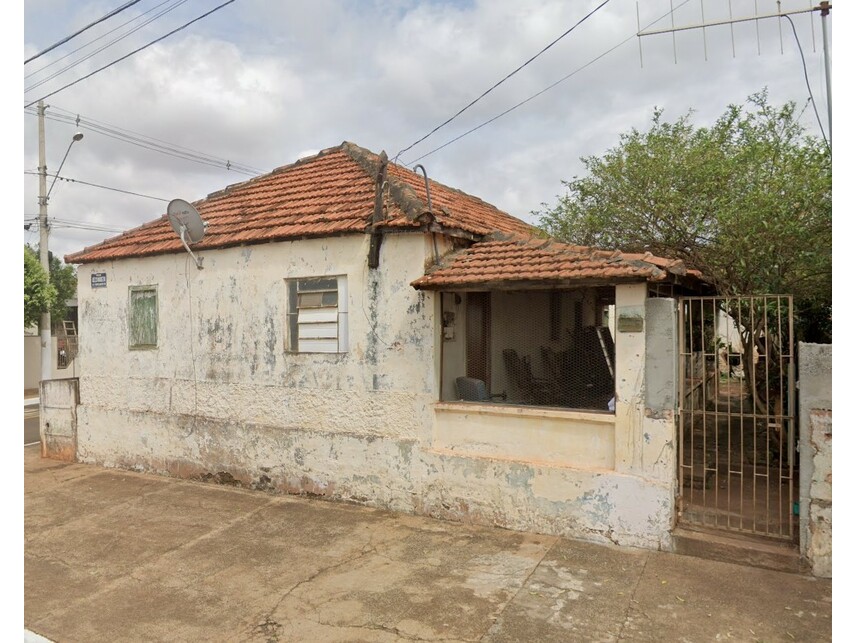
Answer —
103 187
150 143
103 47
130 3
500 82
128 55
549 87
808 88
94 40
55 222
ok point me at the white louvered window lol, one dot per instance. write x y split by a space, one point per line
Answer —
317 315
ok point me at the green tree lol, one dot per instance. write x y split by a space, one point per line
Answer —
39 294
64 281
747 201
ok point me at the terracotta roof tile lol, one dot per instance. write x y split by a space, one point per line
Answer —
329 194
513 260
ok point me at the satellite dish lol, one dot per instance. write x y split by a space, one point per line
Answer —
183 216
188 225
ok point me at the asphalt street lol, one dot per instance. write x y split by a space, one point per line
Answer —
31 424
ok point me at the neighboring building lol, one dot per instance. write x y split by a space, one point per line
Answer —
353 337
63 349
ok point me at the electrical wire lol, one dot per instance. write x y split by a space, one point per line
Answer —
128 55
110 14
500 82
549 87
53 223
82 225
808 88
93 41
149 143
103 187
82 59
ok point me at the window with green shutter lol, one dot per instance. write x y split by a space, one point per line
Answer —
142 317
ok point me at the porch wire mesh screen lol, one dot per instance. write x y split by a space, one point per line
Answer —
737 435
532 348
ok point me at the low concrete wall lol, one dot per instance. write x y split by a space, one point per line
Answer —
815 364
58 401
531 434
399 475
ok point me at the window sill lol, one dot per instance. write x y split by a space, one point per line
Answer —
519 410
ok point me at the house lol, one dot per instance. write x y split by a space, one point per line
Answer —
361 333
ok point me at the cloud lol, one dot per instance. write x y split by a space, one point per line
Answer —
263 84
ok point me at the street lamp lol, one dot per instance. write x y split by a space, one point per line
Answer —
45 330
74 139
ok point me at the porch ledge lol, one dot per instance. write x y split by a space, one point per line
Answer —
516 410
566 438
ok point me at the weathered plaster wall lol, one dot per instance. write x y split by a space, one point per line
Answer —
815 366
221 339
220 398
58 404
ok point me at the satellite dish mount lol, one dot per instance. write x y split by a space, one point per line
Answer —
188 225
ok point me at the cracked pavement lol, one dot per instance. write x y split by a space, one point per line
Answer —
115 555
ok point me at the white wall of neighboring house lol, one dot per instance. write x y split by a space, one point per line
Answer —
221 393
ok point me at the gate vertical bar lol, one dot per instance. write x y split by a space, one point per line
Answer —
752 358
791 419
682 363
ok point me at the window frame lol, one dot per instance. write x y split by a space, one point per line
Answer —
140 346
308 288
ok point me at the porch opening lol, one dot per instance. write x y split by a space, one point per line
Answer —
549 348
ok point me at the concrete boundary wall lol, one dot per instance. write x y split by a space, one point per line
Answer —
815 368
58 404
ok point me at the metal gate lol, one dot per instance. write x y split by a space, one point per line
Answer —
737 438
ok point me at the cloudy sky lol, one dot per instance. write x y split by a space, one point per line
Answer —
261 84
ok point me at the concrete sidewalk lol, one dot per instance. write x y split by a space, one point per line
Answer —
118 556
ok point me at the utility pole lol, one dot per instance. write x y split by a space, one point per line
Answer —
825 11
45 325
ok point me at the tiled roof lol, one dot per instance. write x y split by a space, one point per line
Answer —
330 194
516 261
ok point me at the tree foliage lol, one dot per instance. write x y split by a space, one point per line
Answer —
747 201
39 294
64 281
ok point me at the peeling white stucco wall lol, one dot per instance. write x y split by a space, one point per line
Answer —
221 396
815 366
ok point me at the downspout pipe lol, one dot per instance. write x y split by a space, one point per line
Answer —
374 258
